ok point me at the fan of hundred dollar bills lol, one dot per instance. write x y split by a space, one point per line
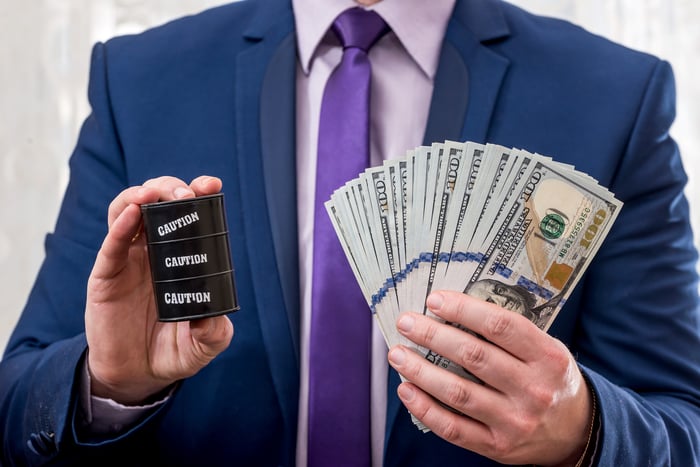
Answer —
504 225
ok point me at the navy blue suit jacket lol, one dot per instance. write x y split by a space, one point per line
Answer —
214 94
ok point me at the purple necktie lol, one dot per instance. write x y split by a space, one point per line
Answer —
340 341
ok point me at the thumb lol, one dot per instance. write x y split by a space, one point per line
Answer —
212 334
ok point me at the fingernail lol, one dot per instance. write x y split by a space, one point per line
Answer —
397 356
182 192
434 301
406 323
406 393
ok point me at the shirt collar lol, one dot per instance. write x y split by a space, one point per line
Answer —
419 25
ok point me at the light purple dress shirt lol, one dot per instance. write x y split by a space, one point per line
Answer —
404 63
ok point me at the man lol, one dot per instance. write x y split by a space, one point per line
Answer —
219 93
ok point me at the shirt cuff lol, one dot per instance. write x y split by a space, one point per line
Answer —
101 416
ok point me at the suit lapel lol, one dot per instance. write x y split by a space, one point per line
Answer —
265 147
467 85
448 105
278 145
469 74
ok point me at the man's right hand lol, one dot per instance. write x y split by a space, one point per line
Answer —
131 354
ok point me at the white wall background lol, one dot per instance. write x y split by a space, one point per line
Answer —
44 51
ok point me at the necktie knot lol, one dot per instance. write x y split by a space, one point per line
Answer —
359 28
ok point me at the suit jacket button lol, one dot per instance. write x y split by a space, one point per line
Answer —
49 440
42 443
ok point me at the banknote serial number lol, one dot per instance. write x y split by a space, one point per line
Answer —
589 234
575 230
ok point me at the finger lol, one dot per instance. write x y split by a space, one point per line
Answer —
170 188
468 397
212 335
511 331
206 185
455 428
114 253
486 361
132 195
156 189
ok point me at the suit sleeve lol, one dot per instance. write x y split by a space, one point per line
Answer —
640 339
40 368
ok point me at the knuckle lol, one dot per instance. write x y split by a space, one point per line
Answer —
457 396
472 355
420 410
499 446
499 324
163 182
542 396
525 425
116 206
112 209
412 368
529 429
205 355
556 357
416 370
451 432
429 333
462 308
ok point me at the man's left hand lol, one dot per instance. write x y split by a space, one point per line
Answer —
533 407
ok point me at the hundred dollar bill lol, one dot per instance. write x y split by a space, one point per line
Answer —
498 171
397 174
510 185
502 224
509 171
545 240
543 243
383 228
435 208
441 164
456 160
487 185
464 184
348 213
424 163
348 232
